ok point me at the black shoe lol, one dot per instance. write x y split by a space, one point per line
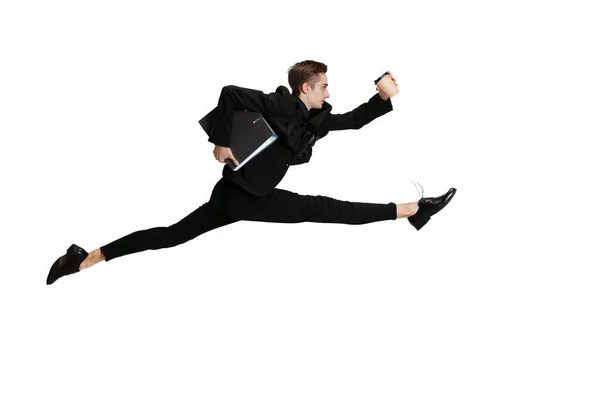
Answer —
67 264
429 206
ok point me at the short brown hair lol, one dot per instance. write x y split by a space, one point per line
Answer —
305 71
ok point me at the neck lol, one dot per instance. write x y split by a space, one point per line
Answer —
303 98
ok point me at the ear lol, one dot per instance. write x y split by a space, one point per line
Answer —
305 87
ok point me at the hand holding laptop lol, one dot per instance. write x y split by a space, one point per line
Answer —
250 135
222 154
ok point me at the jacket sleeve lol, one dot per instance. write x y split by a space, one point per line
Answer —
235 98
361 115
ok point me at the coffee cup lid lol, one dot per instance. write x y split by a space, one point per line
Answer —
382 75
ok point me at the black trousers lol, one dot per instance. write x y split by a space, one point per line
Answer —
230 203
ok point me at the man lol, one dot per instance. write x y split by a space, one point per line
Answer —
300 119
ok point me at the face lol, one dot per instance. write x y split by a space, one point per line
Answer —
317 96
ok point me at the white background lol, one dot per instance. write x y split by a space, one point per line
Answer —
495 298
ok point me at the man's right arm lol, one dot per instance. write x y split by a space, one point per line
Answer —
235 98
361 115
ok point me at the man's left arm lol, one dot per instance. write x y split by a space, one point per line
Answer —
361 115
235 98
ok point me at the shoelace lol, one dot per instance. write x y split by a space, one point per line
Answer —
422 190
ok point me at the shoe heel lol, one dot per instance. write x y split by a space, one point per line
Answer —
419 223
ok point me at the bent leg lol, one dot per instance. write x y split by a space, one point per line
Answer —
202 220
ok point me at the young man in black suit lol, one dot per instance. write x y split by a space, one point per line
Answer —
300 119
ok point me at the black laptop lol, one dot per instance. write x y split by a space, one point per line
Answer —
250 135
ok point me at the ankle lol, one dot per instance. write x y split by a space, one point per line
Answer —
98 254
406 210
93 258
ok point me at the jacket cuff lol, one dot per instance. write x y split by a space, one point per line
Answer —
381 106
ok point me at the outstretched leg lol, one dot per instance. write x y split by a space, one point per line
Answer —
281 205
201 220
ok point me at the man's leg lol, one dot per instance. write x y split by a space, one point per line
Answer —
284 206
202 220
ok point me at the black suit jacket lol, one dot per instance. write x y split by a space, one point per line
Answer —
297 130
